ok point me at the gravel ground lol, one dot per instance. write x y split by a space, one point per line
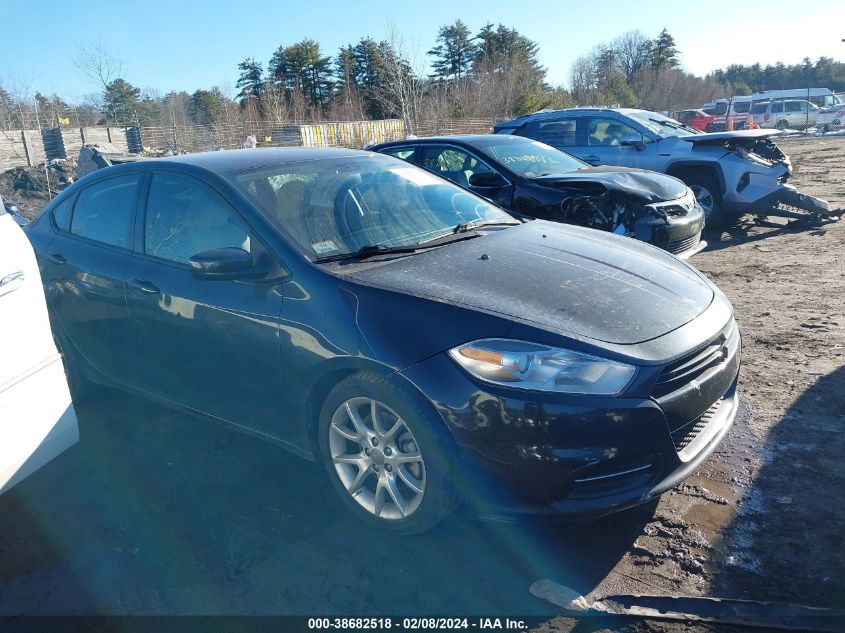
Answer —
155 512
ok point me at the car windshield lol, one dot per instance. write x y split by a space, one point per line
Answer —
531 159
662 126
339 206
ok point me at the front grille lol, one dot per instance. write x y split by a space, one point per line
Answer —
679 246
684 370
684 436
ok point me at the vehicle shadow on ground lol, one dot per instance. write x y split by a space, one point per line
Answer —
158 512
785 542
748 232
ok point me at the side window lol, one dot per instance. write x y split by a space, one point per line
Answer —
742 107
720 109
61 215
184 217
605 132
452 163
405 153
103 211
793 106
555 133
777 107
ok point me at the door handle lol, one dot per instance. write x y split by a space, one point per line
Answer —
57 258
11 282
145 286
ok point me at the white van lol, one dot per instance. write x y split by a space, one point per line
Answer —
37 418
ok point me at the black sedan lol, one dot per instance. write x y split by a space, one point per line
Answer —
425 346
535 180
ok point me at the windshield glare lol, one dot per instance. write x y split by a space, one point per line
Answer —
660 125
337 206
531 159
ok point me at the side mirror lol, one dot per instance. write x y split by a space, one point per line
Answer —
222 263
633 140
486 179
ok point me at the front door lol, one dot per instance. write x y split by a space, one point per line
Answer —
210 345
458 165
609 142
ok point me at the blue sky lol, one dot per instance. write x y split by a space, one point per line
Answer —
173 44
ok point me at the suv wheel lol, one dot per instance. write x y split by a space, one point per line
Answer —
386 454
782 124
709 196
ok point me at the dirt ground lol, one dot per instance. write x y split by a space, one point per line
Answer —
155 512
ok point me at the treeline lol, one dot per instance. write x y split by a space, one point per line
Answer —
825 72
493 73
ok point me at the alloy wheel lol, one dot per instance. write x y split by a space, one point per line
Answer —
377 458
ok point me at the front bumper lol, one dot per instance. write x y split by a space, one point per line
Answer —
678 234
560 457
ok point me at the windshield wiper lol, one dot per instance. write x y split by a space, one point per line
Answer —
463 227
373 250
368 250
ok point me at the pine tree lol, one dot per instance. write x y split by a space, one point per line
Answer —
664 52
250 82
454 51
120 101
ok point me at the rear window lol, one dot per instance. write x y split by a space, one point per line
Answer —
103 210
760 108
742 107
555 133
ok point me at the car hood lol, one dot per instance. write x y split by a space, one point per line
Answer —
717 138
565 279
641 184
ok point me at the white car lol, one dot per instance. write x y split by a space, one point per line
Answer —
831 119
37 418
787 114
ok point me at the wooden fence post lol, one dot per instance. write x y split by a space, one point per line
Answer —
26 149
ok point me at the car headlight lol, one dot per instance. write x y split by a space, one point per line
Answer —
540 367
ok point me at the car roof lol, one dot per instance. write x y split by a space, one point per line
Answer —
467 139
229 160
550 114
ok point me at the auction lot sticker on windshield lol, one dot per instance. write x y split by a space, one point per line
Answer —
321 248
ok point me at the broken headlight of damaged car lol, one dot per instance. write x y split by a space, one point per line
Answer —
527 365
616 213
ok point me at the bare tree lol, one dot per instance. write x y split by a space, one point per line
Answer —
632 52
98 62
401 91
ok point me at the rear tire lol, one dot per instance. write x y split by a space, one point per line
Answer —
782 125
387 453
81 389
709 196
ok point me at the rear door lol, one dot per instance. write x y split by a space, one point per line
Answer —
84 267
37 419
566 134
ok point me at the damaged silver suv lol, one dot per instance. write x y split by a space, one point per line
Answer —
730 172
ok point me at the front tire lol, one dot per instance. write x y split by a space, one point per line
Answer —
709 196
387 453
